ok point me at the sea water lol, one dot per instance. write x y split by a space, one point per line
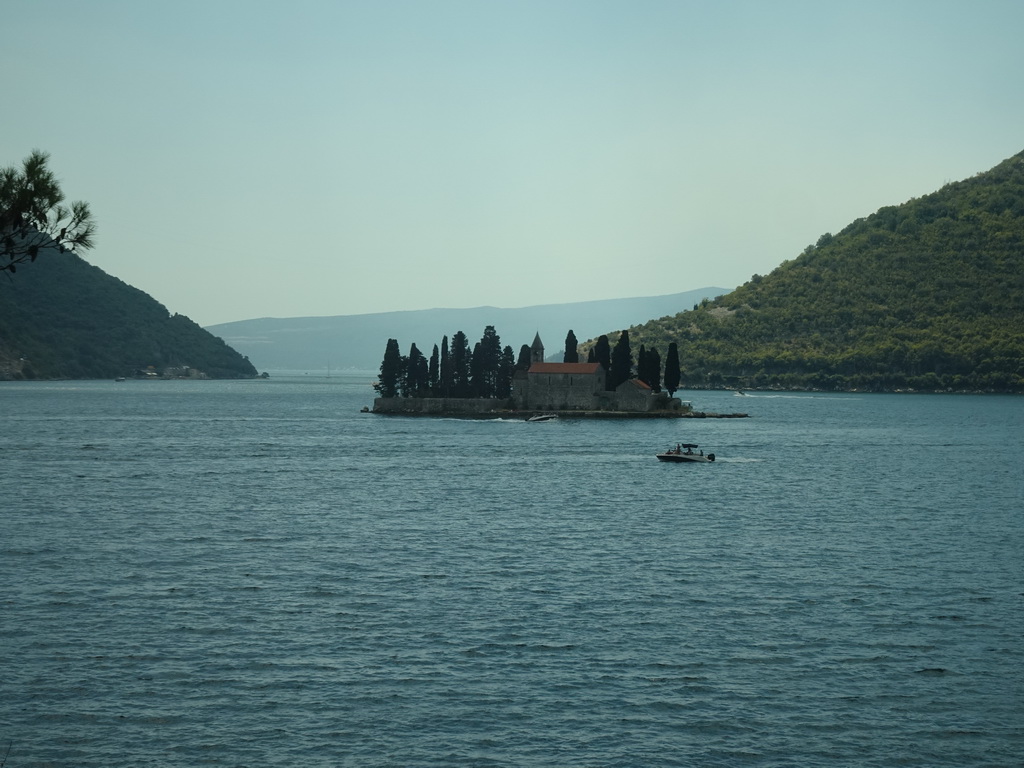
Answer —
258 574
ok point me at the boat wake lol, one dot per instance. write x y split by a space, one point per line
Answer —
796 397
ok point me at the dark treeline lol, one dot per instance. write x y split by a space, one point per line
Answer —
486 371
619 363
453 370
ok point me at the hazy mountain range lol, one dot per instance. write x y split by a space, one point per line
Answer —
358 341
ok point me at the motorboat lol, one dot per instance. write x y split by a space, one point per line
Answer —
544 417
683 453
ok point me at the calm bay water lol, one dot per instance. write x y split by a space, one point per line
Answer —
256 574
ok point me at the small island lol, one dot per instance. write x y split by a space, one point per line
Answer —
489 382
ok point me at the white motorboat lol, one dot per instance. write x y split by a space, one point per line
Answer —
544 417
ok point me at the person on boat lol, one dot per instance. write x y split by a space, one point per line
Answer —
679 448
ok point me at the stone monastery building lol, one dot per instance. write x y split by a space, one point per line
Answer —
580 387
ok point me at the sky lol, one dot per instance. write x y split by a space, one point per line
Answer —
247 158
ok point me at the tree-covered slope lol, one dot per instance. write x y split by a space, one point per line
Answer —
60 317
924 295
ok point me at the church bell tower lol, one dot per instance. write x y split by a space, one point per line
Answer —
537 350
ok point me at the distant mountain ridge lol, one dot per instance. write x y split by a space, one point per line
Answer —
358 341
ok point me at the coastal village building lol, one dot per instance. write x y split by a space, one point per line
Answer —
580 387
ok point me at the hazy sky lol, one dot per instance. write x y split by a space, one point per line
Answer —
320 157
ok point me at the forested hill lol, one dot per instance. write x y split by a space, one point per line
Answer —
61 317
927 295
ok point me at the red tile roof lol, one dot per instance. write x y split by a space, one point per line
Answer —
573 368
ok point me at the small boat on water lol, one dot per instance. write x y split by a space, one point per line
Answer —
544 417
683 453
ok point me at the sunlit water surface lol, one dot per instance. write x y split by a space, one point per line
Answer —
257 574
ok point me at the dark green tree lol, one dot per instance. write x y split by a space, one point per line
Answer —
506 369
391 373
477 378
416 372
434 371
33 217
648 367
603 352
572 354
622 362
654 369
445 382
422 376
672 369
523 361
461 359
487 359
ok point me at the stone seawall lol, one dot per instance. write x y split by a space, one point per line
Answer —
477 408
440 406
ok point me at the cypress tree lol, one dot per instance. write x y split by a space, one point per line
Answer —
445 370
622 361
507 367
641 365
672 369
477 379
487 358
390 371
415 380
461 359
572 354
422 388
654 369
434 372
523 362
603 353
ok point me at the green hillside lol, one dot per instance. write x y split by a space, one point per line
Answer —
60 317
927 295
